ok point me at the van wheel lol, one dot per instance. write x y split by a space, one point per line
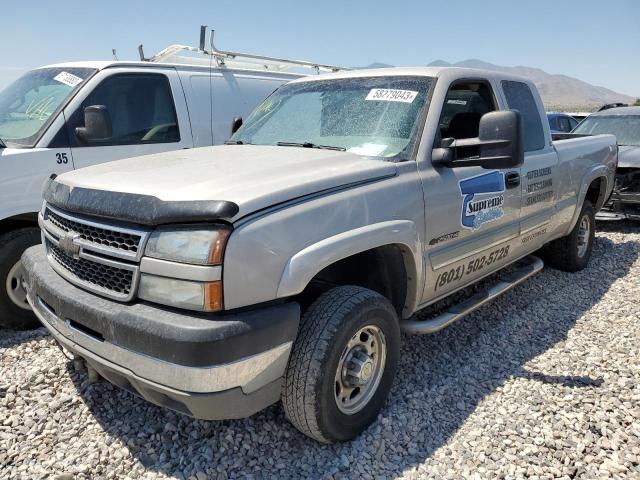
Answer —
14 309
342 364
572 252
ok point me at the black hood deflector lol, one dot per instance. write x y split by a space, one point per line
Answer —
135 208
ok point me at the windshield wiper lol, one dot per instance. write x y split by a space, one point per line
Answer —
236 142
2 144
310 145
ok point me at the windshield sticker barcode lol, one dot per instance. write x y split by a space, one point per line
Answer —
391 95
68 79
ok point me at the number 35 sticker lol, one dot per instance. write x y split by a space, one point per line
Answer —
61 158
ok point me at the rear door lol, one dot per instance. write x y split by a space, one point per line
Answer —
472 214
148 115
539 168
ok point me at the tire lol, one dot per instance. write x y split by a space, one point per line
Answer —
326 343
568 253
12 245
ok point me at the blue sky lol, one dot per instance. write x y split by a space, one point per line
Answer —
595 41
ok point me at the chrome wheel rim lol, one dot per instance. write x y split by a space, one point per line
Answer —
584 235
360 369
15 291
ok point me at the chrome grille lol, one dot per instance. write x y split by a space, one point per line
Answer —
110 238
92 254
116 281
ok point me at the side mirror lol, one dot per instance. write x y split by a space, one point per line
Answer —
236 123
97 125
499 144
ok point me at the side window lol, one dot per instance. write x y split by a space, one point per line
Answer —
563 124
140 106
519 97
463 106
573 122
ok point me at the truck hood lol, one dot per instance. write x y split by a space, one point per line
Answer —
629 156
252 177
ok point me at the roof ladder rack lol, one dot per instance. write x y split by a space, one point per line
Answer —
238 59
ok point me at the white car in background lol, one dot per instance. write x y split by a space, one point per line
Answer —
68 116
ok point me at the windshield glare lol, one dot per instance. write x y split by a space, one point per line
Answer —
626 128
373 116
27 105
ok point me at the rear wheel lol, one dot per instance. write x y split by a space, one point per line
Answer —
14 309
342 364
572 252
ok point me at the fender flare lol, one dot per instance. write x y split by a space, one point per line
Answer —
308 262
597 172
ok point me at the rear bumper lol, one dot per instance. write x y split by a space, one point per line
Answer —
206 366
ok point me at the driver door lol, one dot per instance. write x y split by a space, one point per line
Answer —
147 111
472 213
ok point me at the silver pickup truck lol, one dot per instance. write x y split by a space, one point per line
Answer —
286 264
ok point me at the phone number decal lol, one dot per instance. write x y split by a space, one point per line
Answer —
475 265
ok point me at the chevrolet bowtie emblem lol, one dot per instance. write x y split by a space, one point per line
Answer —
67 245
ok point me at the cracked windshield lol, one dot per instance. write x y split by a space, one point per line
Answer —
373 117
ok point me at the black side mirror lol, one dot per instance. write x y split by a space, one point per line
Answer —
236 123
97 125
499 144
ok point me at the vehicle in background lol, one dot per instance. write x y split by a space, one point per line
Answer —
285 264
624 123
579 116
608 106
561 122
68 116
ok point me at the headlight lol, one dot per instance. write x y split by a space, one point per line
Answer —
201 296
195 244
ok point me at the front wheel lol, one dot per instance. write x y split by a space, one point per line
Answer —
342 364
14 309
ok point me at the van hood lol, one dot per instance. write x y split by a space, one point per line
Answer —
222 182
628 156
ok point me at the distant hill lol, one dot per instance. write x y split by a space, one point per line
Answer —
559 92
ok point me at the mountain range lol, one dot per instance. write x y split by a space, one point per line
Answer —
559 92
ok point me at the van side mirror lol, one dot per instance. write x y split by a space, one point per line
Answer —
236 123
499 144
97 125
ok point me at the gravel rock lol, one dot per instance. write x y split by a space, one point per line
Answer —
543 382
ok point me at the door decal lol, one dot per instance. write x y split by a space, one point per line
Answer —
482 199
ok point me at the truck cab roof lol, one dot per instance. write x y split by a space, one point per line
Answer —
448 73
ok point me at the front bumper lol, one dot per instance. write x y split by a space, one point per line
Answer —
209 366
625 199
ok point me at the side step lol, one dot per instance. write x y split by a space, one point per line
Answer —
527 267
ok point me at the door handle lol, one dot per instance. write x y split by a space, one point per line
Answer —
512 179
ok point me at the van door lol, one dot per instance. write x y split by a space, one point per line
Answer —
147 112
472 214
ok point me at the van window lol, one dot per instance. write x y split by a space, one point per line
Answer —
519 97
463 106
141 108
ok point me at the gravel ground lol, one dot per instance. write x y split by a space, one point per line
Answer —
542 383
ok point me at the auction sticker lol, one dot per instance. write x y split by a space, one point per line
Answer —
68 79
391 95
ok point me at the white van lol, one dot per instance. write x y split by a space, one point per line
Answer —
72 115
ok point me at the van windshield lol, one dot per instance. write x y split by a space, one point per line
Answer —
372 116
29 103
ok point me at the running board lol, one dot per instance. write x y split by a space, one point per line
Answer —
528 266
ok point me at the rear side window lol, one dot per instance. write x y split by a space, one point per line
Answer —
141 108
520 98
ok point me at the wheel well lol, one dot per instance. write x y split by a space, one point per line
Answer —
18 221
596 192
380 269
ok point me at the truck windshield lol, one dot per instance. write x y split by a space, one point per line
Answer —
29 103
626 128
372 116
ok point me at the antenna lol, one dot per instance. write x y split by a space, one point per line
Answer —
115 55
141 53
